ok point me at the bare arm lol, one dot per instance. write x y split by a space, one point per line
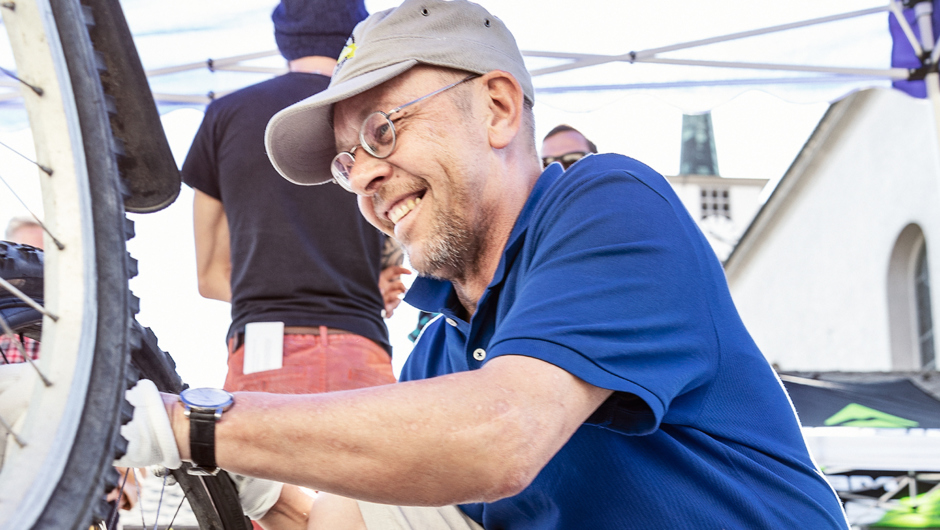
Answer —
473 436
213 257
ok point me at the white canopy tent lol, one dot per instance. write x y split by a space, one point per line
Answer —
845 39
859 60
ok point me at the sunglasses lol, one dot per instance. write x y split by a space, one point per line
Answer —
565 160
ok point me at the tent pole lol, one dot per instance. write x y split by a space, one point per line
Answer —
924 13
898 12
584 60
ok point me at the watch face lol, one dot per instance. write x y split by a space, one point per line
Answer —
206 397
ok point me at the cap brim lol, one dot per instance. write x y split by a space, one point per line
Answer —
299 139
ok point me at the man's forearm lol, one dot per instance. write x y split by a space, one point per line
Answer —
363 444
459 438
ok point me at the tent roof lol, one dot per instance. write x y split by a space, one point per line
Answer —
819 402
688 55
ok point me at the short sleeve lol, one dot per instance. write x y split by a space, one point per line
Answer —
200 168
608 286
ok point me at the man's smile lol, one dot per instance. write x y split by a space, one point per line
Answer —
402 208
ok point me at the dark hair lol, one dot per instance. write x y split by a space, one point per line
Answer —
565 128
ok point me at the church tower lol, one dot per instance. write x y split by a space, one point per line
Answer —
698 146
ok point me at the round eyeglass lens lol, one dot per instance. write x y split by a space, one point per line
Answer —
378 134
341 168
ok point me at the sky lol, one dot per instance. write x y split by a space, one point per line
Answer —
758 131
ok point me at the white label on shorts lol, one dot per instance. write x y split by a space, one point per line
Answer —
264 347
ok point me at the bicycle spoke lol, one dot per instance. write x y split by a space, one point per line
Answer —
173 520
113 516
27 300
139 500
156 517
9 428
10 74
46 170
19 346
35 217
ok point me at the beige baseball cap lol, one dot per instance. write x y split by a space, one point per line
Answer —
449 33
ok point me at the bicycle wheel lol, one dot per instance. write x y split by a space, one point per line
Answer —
57 478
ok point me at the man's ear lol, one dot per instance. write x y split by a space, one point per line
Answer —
505 103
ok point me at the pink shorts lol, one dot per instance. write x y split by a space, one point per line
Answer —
313 364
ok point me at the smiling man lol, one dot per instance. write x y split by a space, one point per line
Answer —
630 398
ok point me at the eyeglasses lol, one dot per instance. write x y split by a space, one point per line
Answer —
566 159
377 137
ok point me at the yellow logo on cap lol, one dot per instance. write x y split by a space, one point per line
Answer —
348 53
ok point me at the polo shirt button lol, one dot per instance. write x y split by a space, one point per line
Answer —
451 321
479 354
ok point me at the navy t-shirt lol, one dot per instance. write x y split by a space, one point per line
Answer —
302 255
607 276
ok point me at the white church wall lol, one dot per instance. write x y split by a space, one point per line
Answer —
811 280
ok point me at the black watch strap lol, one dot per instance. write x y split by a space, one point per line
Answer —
202 441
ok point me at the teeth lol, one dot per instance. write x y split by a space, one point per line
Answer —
402 209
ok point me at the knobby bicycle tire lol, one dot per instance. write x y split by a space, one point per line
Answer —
59 478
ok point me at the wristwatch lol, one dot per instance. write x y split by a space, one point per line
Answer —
204 407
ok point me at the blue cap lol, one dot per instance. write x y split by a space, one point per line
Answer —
315 27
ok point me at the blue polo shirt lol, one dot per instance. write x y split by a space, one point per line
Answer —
607 276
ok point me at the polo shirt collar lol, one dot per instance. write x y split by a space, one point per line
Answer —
439 296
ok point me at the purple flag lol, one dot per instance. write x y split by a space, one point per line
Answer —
902 54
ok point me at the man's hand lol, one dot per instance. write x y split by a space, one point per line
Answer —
150 439
391 287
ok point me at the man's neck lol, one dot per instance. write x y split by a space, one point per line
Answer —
471 287
313 64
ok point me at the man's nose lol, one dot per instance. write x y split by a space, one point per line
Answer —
367 173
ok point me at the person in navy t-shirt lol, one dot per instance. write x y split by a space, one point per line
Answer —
299 256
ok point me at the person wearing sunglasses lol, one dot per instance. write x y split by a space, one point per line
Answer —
566 145
588 370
